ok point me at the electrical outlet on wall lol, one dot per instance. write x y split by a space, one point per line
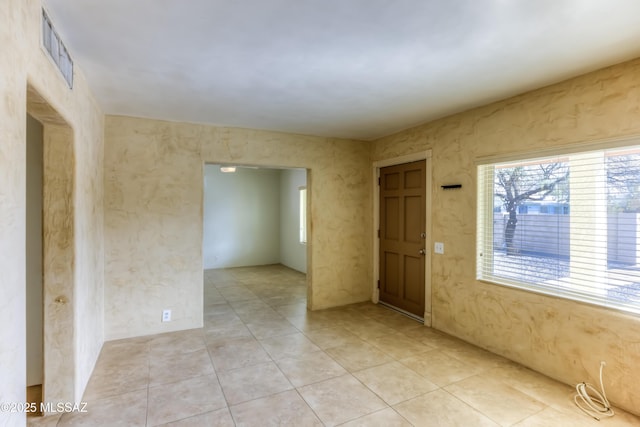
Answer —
166 315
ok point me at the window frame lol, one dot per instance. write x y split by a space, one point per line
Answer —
485 224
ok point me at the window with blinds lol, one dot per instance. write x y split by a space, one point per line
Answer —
567 226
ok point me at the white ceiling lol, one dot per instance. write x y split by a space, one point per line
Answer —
343 68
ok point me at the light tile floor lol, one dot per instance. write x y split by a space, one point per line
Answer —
263 360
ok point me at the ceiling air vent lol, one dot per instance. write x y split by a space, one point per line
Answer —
57 51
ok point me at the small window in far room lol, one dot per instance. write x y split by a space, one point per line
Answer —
303 214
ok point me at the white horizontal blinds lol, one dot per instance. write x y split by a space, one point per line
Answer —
567 226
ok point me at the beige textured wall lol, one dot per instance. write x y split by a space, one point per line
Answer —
153 216
12 209
23 62
58 241
563 339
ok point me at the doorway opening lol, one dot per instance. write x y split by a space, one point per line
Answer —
34 264
50 308
255 231
402 235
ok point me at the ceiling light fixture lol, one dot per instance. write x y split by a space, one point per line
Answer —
227 169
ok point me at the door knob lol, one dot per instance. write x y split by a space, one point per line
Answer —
422 252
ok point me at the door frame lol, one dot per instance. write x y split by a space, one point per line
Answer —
377 165
267 165
59 258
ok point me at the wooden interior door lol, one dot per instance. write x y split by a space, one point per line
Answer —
402 236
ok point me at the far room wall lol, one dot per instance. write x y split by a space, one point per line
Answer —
251 217
241 217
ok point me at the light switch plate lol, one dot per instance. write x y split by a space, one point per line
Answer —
438 248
